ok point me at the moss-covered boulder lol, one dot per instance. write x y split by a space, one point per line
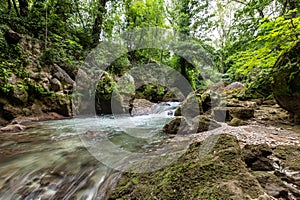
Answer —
104 94
177 125
237 122
221 174
203 123
190 107
286 81
256 157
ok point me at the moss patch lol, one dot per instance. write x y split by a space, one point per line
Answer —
221 174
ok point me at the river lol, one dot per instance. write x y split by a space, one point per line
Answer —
51 159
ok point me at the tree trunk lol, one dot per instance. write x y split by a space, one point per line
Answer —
23 7
97 28
16 8
8 4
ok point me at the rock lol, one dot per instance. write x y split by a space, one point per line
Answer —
12 37
234 85
3 122
190 107
12 79
10 112
13 128
237 122
20 93
241 112
104 95
232 102
221 114
219 86
286 81
220 174
62 76
255 157
177 125
123 95
141 107
41 117
58 103
209 100
203 123
272 184
55 85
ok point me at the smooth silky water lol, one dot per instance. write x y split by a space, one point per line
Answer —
50 160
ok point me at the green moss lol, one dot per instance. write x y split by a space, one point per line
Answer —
194 177
289 155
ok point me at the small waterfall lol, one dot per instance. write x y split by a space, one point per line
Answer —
165 108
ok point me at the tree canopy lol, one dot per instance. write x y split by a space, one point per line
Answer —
244 37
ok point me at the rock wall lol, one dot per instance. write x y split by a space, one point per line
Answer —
34 88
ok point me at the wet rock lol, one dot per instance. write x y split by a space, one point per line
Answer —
41 117
203 123
178 125
13 128
141 107
256 157
104 95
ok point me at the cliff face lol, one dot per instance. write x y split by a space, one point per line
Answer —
29 86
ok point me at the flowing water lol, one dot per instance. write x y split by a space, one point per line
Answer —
50 160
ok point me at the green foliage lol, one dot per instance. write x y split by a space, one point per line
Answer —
254 64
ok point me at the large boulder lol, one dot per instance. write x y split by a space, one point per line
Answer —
190 107
286 81
233 108
220 174
177 125
141 107
104 92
